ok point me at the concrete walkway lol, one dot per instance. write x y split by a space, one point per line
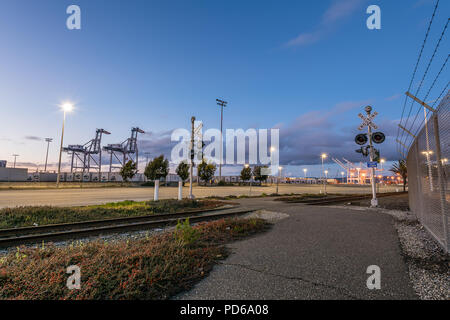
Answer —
315 253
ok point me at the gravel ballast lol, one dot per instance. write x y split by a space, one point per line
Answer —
428 264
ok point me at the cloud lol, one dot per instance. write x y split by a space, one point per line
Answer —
158 143
394 97
338 11
33 138
303 139
315 132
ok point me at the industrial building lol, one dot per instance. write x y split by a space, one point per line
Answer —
13 174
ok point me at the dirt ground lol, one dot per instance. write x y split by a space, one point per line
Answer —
396 202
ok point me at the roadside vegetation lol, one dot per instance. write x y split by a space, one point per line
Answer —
156 267
44 215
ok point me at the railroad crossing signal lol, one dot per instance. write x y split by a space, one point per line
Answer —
367 121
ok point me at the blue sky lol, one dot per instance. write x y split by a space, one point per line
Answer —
306 67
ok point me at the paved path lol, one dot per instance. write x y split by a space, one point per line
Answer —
315 253
89 196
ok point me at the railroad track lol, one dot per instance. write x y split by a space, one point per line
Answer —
343 198
67 231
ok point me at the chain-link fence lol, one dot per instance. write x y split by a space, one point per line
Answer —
428 173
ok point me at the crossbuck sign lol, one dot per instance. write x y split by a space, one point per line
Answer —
367 121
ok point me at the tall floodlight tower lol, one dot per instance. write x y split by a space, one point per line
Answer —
222 104
48 140
67 107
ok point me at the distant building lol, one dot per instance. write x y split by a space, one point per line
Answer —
13 174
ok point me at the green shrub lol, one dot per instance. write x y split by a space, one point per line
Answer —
185 234
155 267
29 216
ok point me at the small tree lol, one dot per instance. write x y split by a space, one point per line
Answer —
158 168
183 171
257 173
246 173
401 169
128 170
206 171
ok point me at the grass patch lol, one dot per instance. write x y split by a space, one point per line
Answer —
156 267
29 216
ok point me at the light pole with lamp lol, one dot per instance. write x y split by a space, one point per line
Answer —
222 104
48 140
15 158
304 171
67 107
323 156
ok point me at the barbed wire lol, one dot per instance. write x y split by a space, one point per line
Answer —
415 68
402 139
421 83
428 93
428 111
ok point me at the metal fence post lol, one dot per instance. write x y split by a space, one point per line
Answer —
441 180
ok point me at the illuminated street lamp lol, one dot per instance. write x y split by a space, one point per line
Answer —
323 156
66 107
427 154
304 171
382 161
342 174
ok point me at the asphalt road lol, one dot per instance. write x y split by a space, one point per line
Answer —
89 196
315 253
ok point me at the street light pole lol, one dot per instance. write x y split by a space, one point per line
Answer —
326 178
222 104
66 108
323 156
48 140
15 157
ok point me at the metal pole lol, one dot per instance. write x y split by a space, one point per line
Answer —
60 150
442 186
191 167
15 157
374 201
46 156
221 142
430 173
